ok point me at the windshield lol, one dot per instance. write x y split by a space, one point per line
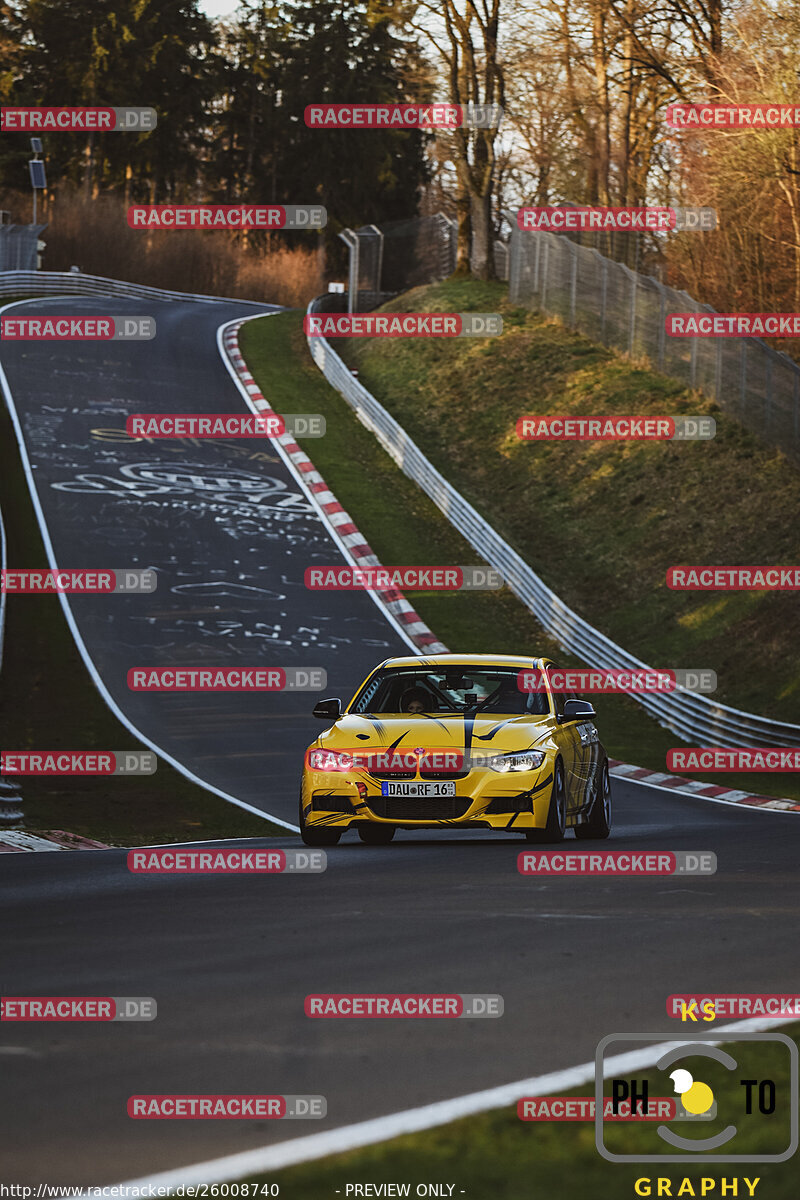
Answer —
444 691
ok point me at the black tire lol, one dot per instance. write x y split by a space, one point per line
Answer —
598 823
373 834
314 835
556 825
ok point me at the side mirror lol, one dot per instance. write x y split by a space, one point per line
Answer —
577 710
328 710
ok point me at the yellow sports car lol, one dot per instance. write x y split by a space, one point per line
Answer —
473 741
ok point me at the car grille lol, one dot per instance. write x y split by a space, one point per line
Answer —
443 774
418 808
393 774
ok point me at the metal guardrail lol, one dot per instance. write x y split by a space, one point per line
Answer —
75 283
3 564
10 798
692 716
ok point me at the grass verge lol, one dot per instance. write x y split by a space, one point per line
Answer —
403 526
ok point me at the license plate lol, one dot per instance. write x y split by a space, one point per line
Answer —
400 789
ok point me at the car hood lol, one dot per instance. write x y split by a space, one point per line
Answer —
491 732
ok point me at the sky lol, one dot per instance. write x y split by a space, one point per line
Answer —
217 8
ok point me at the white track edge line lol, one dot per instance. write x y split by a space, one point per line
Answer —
429 1116
84 653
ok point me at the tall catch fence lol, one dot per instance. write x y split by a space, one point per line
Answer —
604 299
400 255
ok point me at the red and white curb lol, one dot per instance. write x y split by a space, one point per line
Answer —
348 532
693 787
14 841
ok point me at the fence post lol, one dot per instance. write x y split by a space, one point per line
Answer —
536 265
768 394
604 301
573 284
633 312
451 229
662 327
693 362
544 273
378 275
351 241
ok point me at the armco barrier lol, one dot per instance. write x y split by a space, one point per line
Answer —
3 553
75 283
693 717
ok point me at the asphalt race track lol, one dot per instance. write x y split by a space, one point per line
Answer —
223 523
229 960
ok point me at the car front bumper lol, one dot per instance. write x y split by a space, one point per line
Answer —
483 799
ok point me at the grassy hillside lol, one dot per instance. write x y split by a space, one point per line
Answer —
601 522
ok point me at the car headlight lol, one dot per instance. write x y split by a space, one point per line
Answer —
527 760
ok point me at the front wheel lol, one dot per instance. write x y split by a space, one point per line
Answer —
314 835
556 825
598 823
376 835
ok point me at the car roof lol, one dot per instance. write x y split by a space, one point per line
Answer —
466 660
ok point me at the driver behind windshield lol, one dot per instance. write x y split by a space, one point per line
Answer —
415 700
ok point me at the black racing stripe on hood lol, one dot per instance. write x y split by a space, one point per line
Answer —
379 726
487 737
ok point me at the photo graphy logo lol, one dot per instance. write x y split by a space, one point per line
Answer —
713 1090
